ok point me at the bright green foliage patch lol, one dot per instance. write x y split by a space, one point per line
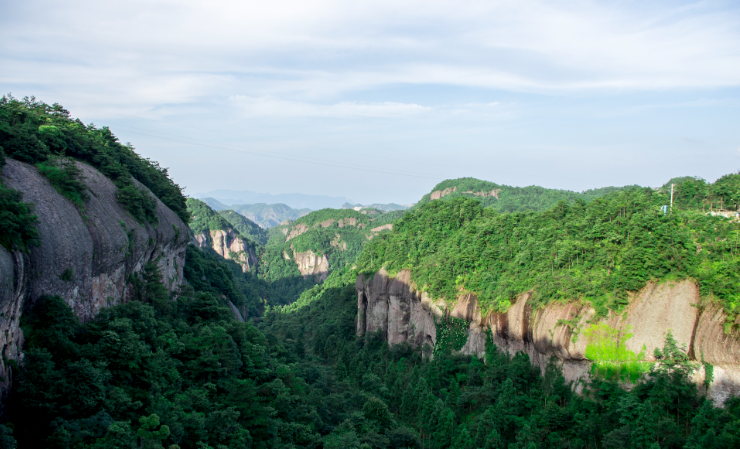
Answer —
596 252
612 360
64 175
37 133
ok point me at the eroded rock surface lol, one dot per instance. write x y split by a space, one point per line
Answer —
85 255
229 245
552 333
312 264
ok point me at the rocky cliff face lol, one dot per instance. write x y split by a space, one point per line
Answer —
312 264
85 256
402 314
229 245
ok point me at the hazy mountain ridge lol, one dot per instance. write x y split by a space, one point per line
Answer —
293 200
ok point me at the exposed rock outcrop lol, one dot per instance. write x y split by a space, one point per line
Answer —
296 231
437 194
494 193
85 256
402 314
229 245
311 264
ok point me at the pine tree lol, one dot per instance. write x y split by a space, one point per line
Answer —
444 430
463 439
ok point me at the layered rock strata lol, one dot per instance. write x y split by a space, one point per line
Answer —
400 313
86 255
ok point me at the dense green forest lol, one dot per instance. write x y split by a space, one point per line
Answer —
513 199
46 136
595 252
182 372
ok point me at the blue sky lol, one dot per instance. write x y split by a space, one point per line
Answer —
380 100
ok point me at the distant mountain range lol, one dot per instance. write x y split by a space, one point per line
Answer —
265 215
293 200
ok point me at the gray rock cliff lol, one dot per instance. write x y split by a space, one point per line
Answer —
100 245
393 307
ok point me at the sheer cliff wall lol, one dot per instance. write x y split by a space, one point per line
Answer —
85 255
403 314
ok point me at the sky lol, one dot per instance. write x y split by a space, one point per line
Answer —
380 100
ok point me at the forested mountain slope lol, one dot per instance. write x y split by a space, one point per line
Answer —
157 372
211 230
245 226
541 281
422 335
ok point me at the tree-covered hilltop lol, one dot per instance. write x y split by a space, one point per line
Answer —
505 198
245 226
595 252
48 137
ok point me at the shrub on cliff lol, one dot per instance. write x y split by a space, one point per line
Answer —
17 221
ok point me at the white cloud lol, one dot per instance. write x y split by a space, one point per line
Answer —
325 48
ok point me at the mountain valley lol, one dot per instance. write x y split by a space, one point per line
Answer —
483 316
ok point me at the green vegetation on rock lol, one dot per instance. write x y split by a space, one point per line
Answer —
17 221
46 136
612 360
